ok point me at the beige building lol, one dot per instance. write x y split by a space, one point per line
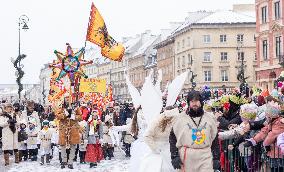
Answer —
212 45
143 59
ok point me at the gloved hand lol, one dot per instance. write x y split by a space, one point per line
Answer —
248 144
267 148
216 164
176 162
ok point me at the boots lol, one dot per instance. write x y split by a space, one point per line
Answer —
6 158
109 153
20 155
47 158
41 160
63 165
105 152
93 165
17 157
70 166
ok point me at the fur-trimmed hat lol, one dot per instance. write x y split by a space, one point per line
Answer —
248 111
272 109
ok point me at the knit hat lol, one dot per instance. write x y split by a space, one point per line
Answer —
248 111
45 122
274 93
272 109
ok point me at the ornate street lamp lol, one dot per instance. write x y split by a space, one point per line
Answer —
23 20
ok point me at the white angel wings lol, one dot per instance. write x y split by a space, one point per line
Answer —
150 98
175 87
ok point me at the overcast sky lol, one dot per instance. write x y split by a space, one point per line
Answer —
55 22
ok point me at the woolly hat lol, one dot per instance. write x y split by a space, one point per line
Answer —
45 122
272 109
274 93
248 111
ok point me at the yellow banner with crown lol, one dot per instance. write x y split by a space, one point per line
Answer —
92 86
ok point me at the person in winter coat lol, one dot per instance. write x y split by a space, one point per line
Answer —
30 114
94 153
107 138
45 136
83 141
274 126
69 130
128 139
9 123
23 137
280 142
32 139
191 137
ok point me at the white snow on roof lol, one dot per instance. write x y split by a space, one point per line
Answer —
227 17
130 43
146 44
192 17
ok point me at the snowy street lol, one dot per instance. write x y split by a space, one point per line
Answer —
118 164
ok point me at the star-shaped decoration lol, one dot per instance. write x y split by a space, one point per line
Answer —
70 64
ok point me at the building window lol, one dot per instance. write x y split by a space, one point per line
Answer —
224 56
264 49
240 37
224 75
178 46
188 41
183 60
264 14
183 43
241 55
254 38
255 57
207 57
189 59
277 12
206 38
223 38
278 46
207 75
178 62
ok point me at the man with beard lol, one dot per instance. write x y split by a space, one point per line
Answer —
191 137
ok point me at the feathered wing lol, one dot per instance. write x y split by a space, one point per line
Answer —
151 101
175 87
134 93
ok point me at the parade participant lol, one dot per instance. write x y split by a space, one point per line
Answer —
68 133
191 137
157 138
32 139
83 141
45 136
30 114
54 140
23 137
94 152
107 140
128 139
9 123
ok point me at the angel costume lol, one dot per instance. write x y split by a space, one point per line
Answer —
157 138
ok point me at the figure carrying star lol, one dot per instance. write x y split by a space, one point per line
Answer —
70 64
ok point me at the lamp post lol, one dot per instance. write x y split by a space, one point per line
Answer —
241 75
193 83
43 91
23 20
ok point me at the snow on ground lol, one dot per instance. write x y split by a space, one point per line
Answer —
118 164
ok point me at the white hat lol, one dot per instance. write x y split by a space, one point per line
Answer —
107 118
